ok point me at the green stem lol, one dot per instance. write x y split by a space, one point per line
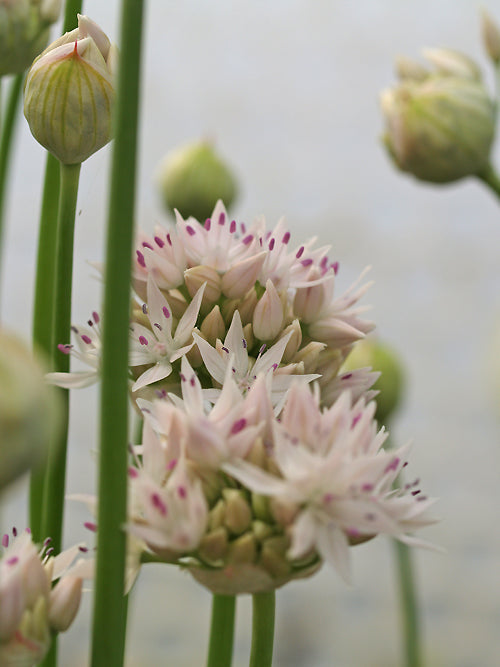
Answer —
8 127
262 629
43 312
55 476
491 179
410 618
71 9
220 650
55 473
109 621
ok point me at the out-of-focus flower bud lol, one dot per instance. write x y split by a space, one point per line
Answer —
192 178
381 357
242 276
24 31
196 277
238 514
440 128
64 602
491 36
28 410
69 93
268 315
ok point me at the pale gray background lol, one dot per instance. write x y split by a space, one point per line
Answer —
289 91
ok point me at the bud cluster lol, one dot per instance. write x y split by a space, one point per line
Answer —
31 609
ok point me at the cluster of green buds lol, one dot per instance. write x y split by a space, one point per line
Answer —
29 415
192 178
440 123
246 544
24 31
74 78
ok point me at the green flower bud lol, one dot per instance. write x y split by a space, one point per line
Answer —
380 357
24 31
192 178
69 93
213 546
238 515
491 36
28 410
440 128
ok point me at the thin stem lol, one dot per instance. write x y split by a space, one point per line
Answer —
262 629
411 625
55 473
491 179
43 312
410 616
220 650
8 127
71 9
109 621
53 502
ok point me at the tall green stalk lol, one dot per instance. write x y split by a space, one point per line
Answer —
109 621
43 313
409 606
10 116
55 475
263 612
220 650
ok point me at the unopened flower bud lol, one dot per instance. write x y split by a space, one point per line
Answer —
216 515
268 314
261 530
453 63
24 31
64 603
273 556
238 514
491 36
196 276
243 549
242 276
380 357
213 326
440 129
406 68
213 546
69 93
29 415
310 356
192 178
294 343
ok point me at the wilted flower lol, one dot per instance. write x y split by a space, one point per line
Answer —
192 178
69 93
24 31
440 126
30 610
29 415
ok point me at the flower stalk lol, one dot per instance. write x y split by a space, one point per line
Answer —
7 134
409 607
220 651
491 179
109 621
263 612
55 476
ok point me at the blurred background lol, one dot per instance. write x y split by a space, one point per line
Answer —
288 91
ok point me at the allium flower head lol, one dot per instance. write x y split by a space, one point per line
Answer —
334 479
30 609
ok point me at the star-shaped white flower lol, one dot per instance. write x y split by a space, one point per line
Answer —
233 355
158 345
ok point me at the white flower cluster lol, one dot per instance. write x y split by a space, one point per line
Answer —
260 459
31 609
